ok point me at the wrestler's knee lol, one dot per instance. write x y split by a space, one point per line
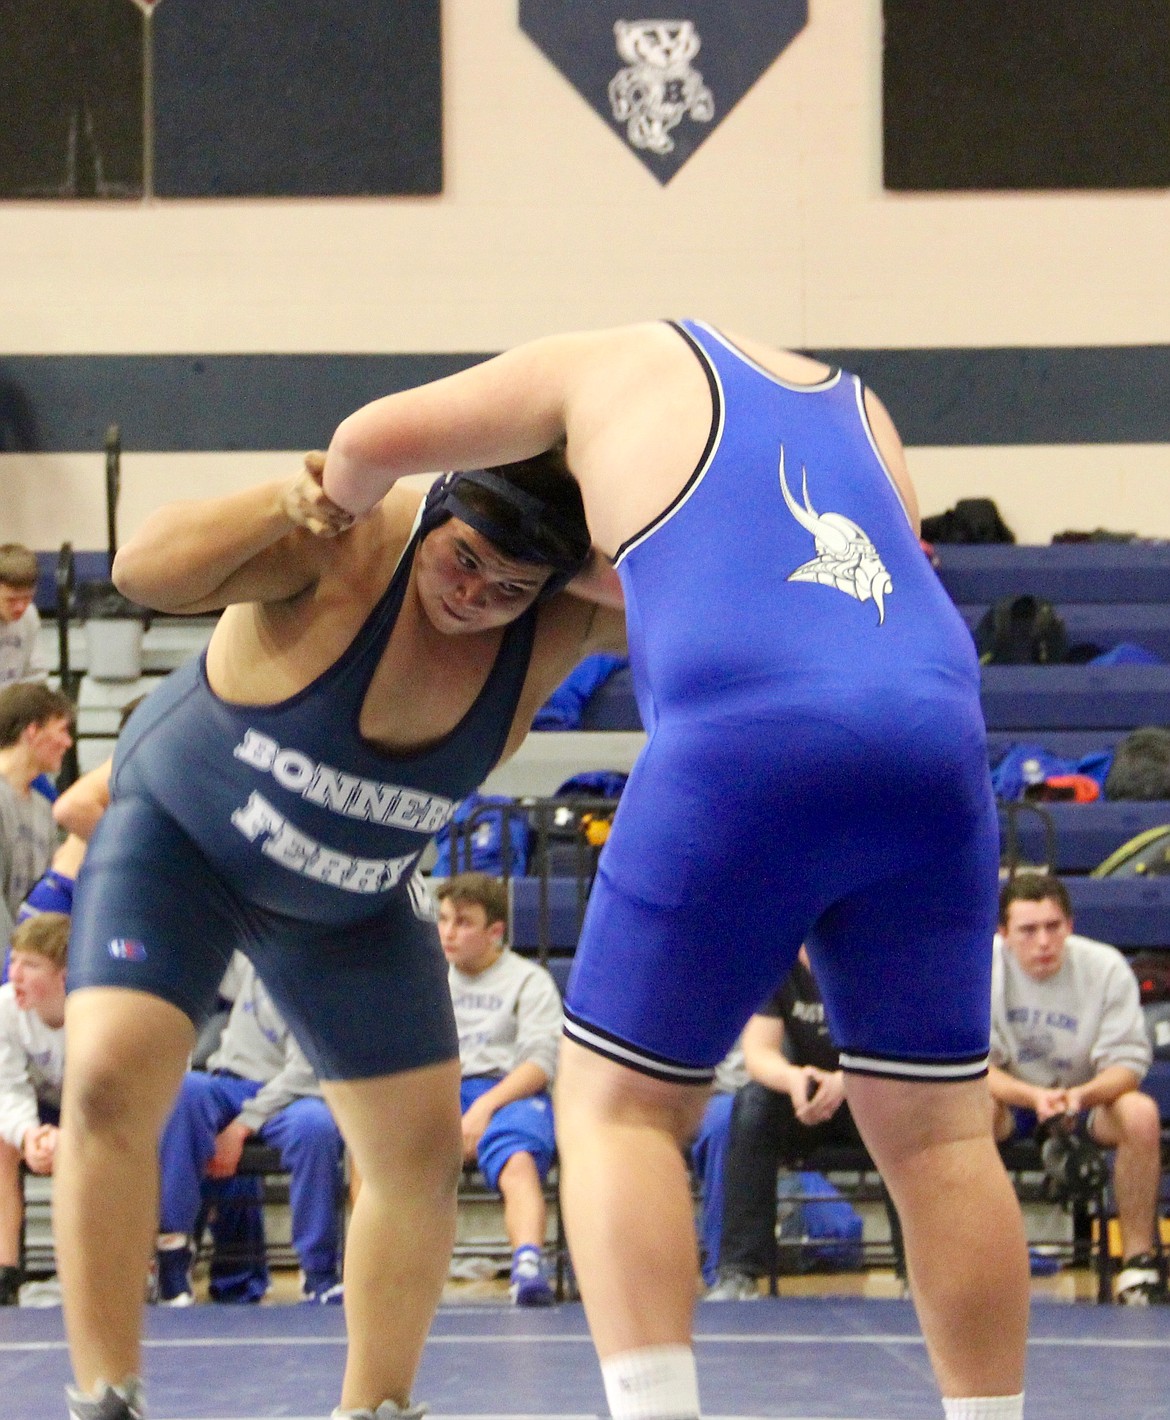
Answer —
592 1089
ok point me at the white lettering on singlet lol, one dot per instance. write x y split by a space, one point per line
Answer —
292 849
341 793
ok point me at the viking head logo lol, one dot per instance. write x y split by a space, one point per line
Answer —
846 559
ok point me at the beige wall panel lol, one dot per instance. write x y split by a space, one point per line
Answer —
1040 490
778 225
55 498
1045 490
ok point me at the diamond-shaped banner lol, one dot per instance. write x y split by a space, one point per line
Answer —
663 80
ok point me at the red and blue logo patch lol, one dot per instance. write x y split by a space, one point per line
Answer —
126 949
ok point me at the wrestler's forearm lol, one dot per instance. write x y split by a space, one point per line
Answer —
183 554
507 408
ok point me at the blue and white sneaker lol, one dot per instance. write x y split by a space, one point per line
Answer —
529 1286
326 1292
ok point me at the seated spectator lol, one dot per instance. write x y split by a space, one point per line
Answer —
1068 1044
508 1013
32 1059
793 1102
709 1157
20 622
257 1082
78 810
36 728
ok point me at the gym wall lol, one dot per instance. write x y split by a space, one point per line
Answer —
1020 337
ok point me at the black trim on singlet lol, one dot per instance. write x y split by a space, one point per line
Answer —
633 1057
716 421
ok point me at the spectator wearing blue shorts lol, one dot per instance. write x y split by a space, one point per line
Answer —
508 1014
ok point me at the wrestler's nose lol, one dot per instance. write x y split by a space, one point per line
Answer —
473 592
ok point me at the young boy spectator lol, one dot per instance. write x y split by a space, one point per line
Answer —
257 1082
32 1059
1068 1040
20 621
36 728
508 1013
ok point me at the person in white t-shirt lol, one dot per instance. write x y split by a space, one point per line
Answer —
32 1062
1068 1040
508 1014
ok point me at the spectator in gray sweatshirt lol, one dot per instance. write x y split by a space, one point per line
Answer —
1068 1039
257 1082
508 1014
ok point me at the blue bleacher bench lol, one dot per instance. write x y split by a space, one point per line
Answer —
1126 912
1063 573
1086 834
1031 699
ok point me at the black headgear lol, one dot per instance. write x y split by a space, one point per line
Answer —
530 530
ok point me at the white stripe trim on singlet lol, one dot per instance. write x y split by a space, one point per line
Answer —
604 1045
914 1069
701 472
859 396
742 355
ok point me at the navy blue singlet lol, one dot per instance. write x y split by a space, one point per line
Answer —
280 831
816 763
297 811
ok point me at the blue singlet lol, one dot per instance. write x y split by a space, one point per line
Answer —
816 765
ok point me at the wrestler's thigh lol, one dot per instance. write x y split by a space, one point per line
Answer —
675 986
149 913
904 964
364 1000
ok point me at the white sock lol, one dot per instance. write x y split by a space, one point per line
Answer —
652 1383
985 1407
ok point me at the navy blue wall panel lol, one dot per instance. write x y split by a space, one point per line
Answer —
282 98
947 398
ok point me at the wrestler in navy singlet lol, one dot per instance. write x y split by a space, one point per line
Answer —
816 762
278 829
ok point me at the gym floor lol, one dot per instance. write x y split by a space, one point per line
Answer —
801 1358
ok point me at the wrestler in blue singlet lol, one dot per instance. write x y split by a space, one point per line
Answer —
816 764
279 830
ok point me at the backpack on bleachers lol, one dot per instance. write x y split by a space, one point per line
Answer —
486 841
1021 631
971 520
1144 855
1141 766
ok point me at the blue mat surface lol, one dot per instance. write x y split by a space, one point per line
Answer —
793 1359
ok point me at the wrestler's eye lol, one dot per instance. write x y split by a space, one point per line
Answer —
466 561
512 590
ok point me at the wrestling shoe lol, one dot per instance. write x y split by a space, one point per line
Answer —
124 1402
1140 1282
529 1286
734 1287
386 1411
